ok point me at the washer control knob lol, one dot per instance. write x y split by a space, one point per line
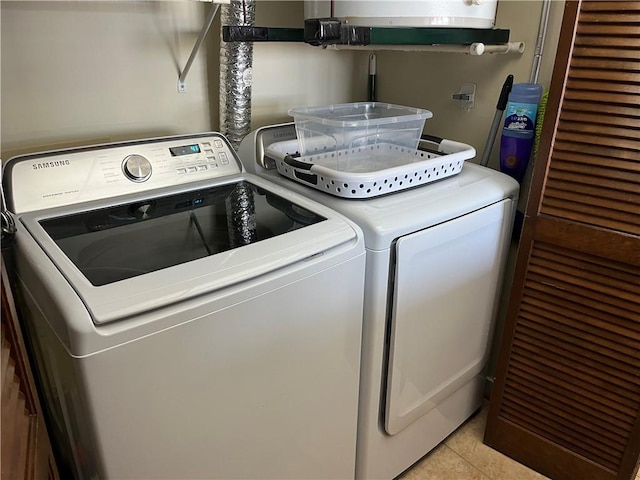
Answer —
136 168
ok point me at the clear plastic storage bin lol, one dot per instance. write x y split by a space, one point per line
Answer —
354 125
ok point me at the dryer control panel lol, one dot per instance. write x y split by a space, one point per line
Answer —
60 178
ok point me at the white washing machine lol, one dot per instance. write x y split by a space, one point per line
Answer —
435 257
188 320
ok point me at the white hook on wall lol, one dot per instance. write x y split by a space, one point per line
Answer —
466 96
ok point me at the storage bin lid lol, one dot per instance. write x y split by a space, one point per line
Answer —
359 114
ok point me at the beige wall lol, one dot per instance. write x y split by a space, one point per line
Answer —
96 71
76 72
428 80
287 75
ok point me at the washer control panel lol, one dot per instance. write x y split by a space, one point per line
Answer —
52 179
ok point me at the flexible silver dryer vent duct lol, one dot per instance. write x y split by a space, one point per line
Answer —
236 62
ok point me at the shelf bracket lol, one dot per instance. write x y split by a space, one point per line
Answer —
182 86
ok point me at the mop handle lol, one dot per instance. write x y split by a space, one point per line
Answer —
497 118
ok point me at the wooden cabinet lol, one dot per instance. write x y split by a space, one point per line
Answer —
26 451
566 400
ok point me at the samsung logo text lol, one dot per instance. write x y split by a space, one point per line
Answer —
57 163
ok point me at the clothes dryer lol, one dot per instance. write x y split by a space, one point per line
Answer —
435 259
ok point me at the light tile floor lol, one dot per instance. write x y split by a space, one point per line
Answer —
463 456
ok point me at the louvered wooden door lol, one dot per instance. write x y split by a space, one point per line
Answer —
566 401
